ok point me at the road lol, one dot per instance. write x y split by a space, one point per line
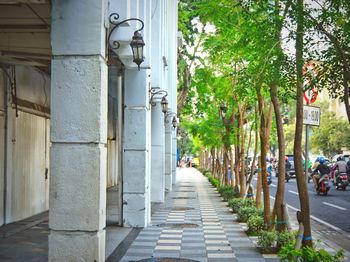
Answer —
330 214
333 208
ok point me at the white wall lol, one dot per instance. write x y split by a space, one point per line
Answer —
33 86
27 191
27 150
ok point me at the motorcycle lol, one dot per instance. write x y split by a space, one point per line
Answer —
323 185
341 181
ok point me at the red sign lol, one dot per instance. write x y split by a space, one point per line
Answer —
310 82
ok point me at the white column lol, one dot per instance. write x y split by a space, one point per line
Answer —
79 131
172 36
173 156
168 149
157 159
136 158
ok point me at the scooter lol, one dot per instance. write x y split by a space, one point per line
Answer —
323 185
341 181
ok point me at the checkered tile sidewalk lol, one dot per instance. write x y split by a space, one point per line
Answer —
193 223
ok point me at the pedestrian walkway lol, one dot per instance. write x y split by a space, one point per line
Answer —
195 224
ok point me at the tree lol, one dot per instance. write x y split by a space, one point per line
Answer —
301 181
331 135
331 20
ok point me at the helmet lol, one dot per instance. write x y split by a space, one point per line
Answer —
340 158
321 160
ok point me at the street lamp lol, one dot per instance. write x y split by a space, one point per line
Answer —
174 120
136 43
164 102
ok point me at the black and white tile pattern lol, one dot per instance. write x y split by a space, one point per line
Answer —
193 223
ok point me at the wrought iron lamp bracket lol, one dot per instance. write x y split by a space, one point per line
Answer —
154 92
113 19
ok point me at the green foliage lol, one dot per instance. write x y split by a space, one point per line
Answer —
228 192
332 135
204 171
246 212
237 203
285 237
214 181
207 173
239 56
267 241
255 224
329 45
185 144
288 253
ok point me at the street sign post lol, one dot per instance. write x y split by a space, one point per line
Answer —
311 114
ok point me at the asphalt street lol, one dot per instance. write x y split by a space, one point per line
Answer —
330 215
333 208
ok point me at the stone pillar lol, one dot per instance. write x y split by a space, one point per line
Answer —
157 159
173 156
78 132
157 163
172 36
168 149
136 159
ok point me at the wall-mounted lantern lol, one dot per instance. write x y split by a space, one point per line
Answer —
136 43
164 102
174 120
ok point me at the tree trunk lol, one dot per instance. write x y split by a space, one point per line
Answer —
225 167
255 147
227 149
252 166
346 79
258 186
279 200
233 180
249 141
212 160
242 162
221 170
301 182
263 148
279 206
237 177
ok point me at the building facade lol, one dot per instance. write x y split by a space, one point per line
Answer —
83 131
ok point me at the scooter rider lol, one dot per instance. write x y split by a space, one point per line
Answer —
321 170
340 166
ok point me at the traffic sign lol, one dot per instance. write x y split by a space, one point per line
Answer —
310 82
310 96
312 115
